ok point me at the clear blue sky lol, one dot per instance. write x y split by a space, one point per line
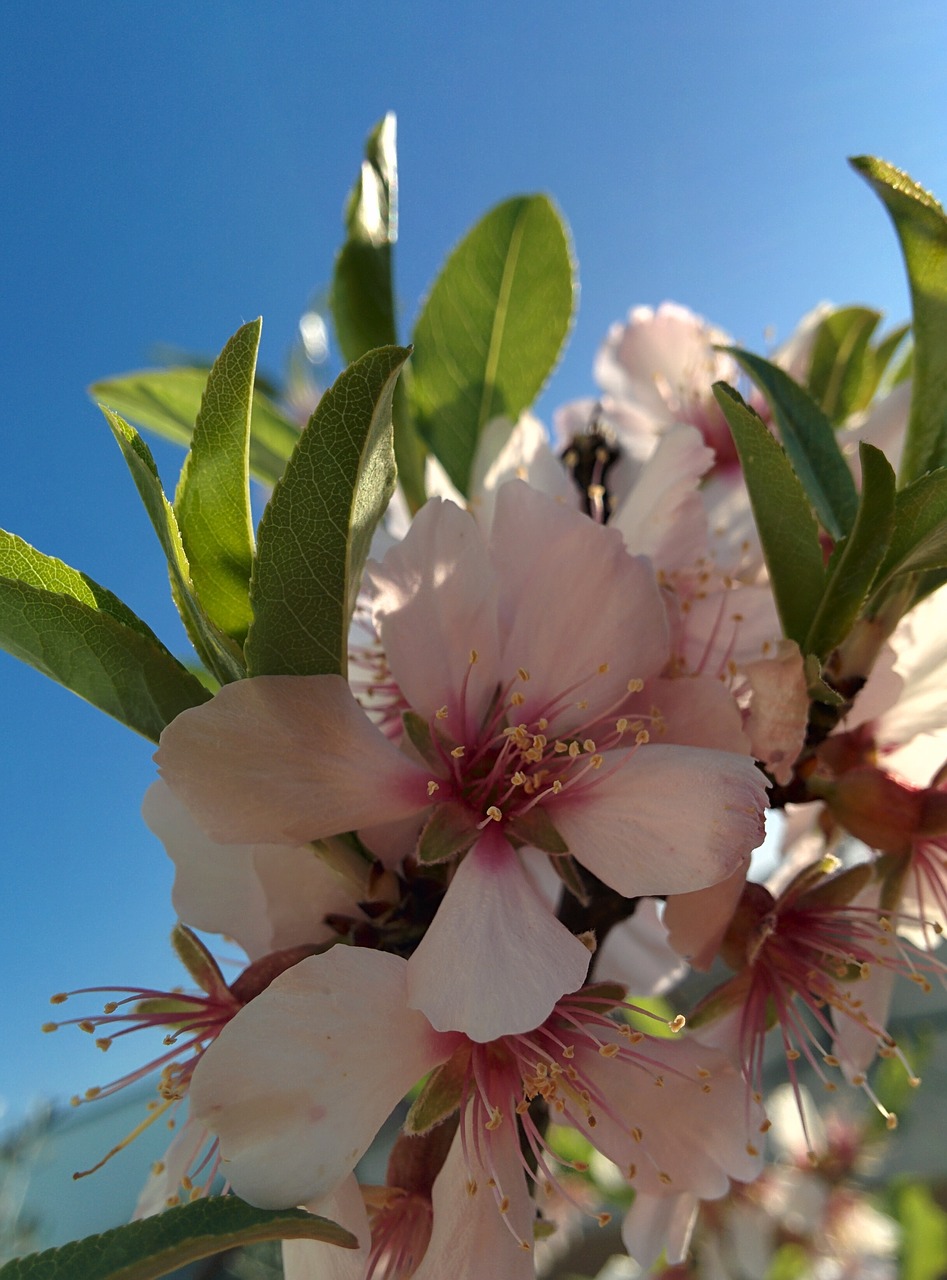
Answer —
173 170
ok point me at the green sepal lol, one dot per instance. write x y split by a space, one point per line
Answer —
156 1246
809 441
843 371
212 503
440 1096
535 828
197 960
362 298
451 830
567 869
788 533
217 651
491 329
421 737
922 230
317 528
167 401
721 1001
842 888
816 687
855 561
65 625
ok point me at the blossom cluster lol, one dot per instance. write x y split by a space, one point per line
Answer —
531 805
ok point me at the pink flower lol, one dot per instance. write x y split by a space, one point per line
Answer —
299 1082
521 660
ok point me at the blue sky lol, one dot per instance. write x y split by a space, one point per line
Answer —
172 171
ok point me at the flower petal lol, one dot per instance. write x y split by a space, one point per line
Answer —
668 819
659 1223
286 759
266 897
314 1260
472 1239
434 604
577 612
299 1082
495 959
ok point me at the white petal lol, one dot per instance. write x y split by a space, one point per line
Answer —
314 1260
495 959
659 1223
297 1085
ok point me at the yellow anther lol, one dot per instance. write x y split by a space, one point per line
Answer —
556 787
751 1150
631 1171
603 669
637 1134
891 1120
560 748
792 1054
588 746
87 1026
59 998
522 673
517 699
440 713
830 1060
494 813
621 725
596 762
432 786
110 1007
542 724
518 778
608 1050
574 750
864 970
103 1044
50 1026
665 1178
474 656
635 686
678 1024
157 1168
641 737
604 1219
458 752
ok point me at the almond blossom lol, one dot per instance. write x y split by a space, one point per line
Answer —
522 659
292 1124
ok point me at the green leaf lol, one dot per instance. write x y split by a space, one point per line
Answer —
212 503
919 540
492 328
810 443
217 651
156 1246
855 561
843 373
451 830
923 1233
922 229
316 531
362 297
77 633
886 348
788 532
167 402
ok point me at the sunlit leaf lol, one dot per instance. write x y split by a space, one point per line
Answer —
788 533
316 530
919 539
492 328
363 295
156 1246
217 651
167 402
64 624
810 443
856 559
843 373
212 503
922 229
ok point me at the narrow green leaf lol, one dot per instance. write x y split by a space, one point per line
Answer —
212 503
77 633
842 374
315 533
886 348
217 651
810 442
167 402
492 328
156 1246
919 540
922 229
363 298
855 560
788 532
